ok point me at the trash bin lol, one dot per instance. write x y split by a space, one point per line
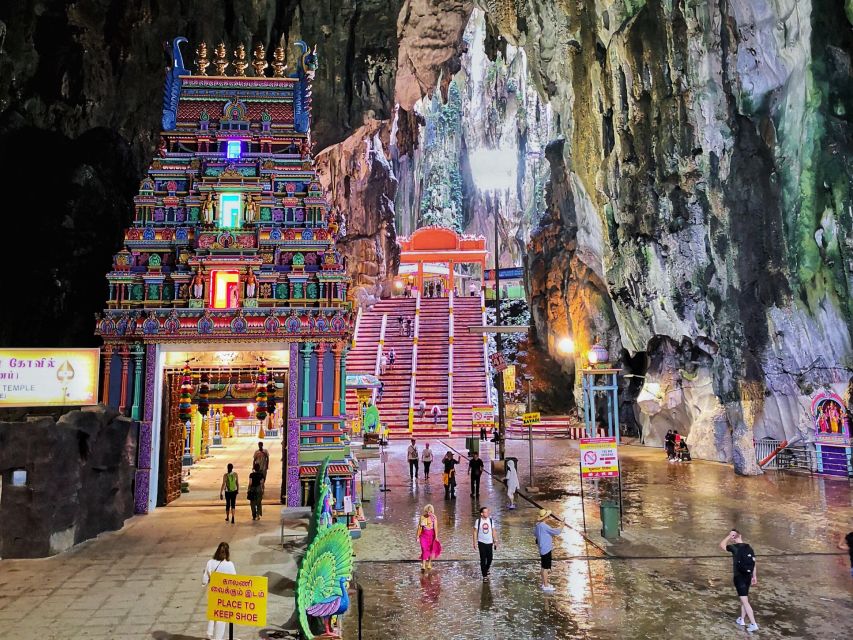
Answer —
609 519
472 443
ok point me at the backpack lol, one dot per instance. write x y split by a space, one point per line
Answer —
744 559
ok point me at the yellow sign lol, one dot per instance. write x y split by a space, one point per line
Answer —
531 418
599 458
509 378
482 416
237 599
48 377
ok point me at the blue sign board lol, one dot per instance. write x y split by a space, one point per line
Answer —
509 273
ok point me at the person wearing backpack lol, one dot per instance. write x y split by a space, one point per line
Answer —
745 575
230 488
485 541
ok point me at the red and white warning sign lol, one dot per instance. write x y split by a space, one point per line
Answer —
599 458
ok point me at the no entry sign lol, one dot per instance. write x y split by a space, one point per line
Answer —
599 458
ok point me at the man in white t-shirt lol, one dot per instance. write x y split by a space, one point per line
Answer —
485 541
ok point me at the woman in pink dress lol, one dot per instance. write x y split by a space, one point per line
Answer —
428 537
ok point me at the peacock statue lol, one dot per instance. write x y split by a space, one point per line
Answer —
321 586
321 516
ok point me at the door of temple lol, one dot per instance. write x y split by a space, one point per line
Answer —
173 442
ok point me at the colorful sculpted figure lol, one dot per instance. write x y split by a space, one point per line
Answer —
251 284
209 214
240 62
321 586
198 285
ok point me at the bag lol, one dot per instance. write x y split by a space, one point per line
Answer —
252 493
744 560
205 577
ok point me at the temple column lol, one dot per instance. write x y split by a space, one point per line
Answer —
124 353
420 278
108 366
137 349
318 405
342 383
337 349
306 380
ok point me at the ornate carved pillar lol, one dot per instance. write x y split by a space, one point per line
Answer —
306 380
318 405
343 380
337 350
123 399
108 366
137 350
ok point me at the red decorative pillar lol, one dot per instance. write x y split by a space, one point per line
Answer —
108 365
321 352
124 352
337 350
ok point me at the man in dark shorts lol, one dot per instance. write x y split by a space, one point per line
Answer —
745 575
545 533
847 543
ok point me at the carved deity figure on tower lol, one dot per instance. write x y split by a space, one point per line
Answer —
209 209
251 284
240 61
251 208
198 285
220 61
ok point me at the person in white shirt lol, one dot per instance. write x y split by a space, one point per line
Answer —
383 364
485 541
426 458
220 563
412 456
422 408
436 413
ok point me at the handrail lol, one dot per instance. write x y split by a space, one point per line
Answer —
485 348
450 332
379 349
415 334
357 326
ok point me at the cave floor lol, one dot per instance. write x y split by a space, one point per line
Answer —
665 578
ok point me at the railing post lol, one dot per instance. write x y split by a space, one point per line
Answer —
357 325
379 350
485 347
415 334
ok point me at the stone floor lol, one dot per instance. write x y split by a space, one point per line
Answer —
665 578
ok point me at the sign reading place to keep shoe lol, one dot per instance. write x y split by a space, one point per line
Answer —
237 599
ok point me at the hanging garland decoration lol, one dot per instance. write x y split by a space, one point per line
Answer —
261 397
204 394
185 406
271 395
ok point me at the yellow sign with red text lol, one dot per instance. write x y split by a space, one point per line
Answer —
49 377
237 599
599 458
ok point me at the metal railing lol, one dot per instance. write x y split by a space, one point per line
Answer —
801 456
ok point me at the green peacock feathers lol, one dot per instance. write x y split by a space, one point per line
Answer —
322 495
327 560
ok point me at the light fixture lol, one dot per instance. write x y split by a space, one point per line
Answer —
566 346
597 354
233 149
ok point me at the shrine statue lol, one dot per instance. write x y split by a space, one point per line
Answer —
305 150
209 209
251 209
251 284
233 299
198 285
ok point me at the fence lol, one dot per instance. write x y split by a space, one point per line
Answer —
801 456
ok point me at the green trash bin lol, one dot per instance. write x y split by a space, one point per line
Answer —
472 443
609 519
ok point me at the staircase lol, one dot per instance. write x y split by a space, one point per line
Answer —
469 375
394 406
433 365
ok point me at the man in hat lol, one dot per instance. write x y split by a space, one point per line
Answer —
545 533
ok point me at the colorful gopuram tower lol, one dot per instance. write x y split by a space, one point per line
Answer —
232 248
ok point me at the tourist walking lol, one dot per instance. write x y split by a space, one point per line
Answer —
380 391
408 327
475 470
484 434
435 412
426 459
544 534
438 289
449 475
220 563
230 488
256 491
485 541
412 456
846 543
745 575
383 364
400 322
262 459
392 357
428 537
422 408
512 484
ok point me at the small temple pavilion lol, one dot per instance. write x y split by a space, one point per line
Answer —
435 252
228 278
